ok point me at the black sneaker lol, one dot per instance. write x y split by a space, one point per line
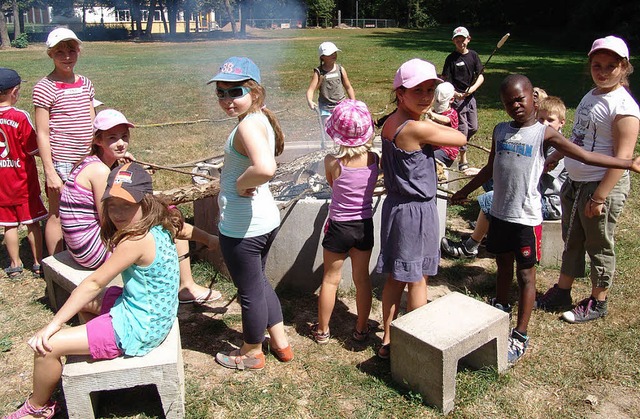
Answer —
554 299
507 308
586 310
457 249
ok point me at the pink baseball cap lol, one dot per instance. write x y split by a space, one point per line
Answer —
414 72
611 43
350 124
108 119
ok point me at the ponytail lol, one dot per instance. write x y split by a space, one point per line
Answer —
258 93
276 129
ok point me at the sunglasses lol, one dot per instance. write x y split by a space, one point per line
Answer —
232 92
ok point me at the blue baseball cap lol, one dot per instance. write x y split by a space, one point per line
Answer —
8 78
237 69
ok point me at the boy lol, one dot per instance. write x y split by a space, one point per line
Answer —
516 162
20 201
442 113
463 69
550 111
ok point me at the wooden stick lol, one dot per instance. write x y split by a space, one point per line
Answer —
171 169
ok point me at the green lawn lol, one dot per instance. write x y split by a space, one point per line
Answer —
157 83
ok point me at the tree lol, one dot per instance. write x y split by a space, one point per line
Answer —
320 9
4 31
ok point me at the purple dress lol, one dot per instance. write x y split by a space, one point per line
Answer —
409 232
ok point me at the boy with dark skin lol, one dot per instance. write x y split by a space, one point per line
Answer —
516 162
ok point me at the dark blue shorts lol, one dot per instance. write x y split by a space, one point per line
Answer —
341 236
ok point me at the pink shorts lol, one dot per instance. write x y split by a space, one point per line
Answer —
100 333
27 213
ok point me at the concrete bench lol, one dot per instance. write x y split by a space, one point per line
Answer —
83 379
428 343
62 275
552 243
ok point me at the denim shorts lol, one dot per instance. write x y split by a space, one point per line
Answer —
63 169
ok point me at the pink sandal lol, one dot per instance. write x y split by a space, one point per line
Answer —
47 411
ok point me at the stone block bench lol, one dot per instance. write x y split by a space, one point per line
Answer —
429 342
62 275
83 379
552 243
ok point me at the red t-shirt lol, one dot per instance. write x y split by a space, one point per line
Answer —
18 172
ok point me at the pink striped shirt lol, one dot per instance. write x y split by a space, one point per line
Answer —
70 124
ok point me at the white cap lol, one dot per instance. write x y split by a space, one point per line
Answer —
460 31
327 48
443 95
611 43
61 34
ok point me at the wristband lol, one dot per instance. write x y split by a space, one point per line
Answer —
596 202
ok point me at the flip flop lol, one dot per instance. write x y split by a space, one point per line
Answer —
36 269
13 272
206 297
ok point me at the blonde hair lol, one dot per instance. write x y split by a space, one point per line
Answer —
68 43
259 94
351 152
553 105
154 212
539 94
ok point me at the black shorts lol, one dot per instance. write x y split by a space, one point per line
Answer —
342 236
524 241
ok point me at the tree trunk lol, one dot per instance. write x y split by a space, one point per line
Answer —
172 11
187 17
163 16
16 19
152 12
243 18
136 19
4 33
232 18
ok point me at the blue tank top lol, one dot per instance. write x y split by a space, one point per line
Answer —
408 174
242 216
144 313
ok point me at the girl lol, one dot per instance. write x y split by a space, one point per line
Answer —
331 78
81 205
352 173
607 122
249 217
64 113
409 231
126 321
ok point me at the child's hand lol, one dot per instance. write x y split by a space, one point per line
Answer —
458 198
213 243
54 183
40 341
312 106
635 164
551 162
249 192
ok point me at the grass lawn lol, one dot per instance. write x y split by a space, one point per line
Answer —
571 371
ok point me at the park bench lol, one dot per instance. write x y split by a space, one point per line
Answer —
84 379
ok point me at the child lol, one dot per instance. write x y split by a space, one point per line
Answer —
606 121
463 69
332 81
20 201
550 111
444 114
249 217
81 205
64 113
516 162
127 321
352 173
409 227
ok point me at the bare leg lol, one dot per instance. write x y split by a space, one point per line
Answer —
360 269
47 369
482 227
278 336
504 278
391 295
35 240
53 229
189 290
527 284
12 242
417 294
333 263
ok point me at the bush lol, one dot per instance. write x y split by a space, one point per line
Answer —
22 41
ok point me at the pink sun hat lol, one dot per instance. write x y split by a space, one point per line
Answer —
414 72
610 43
109 118
350 124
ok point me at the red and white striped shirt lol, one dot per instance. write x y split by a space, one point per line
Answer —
70 124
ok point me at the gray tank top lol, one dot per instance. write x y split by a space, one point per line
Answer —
331 88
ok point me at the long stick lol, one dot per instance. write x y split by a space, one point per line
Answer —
498 46
171 169
319 113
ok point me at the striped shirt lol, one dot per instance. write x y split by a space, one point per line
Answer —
70 123
80 222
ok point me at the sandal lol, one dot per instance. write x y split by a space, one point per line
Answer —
361 336
463 166
13 272
37 269
27 409
385 351
235 361
320 338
